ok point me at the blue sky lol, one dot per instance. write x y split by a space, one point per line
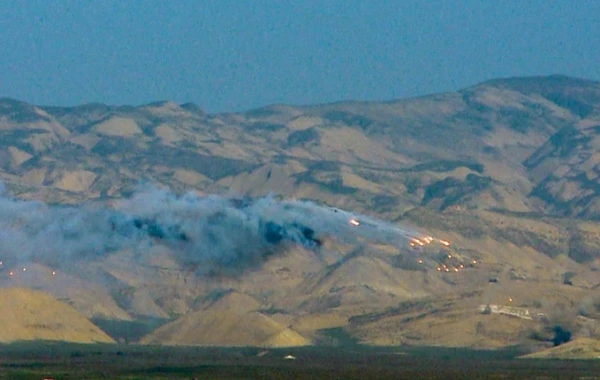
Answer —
228 55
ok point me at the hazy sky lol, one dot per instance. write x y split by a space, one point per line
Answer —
230 55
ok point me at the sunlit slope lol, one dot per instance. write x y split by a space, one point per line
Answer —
34 315
234 320
504 170
490 145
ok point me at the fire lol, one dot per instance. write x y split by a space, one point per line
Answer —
444 242
24 269
417 241
354 222
10 273
54 273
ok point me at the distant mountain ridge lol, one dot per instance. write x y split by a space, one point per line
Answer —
507 170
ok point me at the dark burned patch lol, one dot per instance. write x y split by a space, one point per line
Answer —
562 144
18 137
422 308
262 112
522 238
579 250
446 166
20 112
82 110
349 119
567 140
406 262
335 336
108 146
128 331
266 127
212 296
322 303
574 105
271 311
452 190
303 137
193 108
515 119
323 165
577 206
214 167
382 203
335 185
327 175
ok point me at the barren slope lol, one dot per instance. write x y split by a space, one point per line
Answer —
234 320
34 315
504 170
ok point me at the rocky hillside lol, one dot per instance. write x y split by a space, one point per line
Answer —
508 144
506 170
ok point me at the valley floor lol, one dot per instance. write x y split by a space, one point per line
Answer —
66 361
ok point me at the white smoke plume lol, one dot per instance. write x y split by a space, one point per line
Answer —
207 232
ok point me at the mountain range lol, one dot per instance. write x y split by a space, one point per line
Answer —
507 171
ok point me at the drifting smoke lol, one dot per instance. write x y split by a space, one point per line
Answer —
206 232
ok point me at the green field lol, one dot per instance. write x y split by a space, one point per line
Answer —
68 361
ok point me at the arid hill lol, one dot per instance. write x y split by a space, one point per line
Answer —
505 170
583 348
232 320
34 315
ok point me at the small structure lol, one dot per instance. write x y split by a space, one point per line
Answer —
519 312
289 357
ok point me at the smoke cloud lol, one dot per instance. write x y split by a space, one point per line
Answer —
207 232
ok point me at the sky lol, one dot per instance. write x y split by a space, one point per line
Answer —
235 55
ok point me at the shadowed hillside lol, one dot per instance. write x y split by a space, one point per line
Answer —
505 170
